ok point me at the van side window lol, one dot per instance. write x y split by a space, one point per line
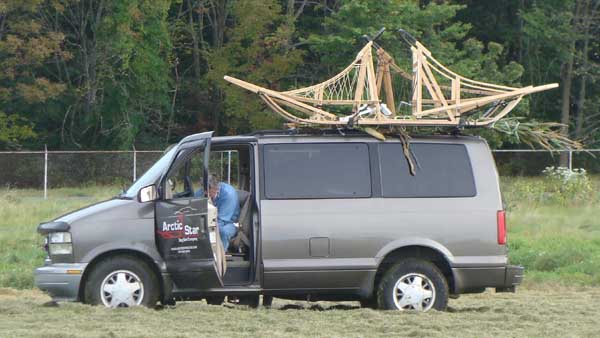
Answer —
442 170
314 170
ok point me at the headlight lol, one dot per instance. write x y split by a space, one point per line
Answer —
61 249
59 237
59 243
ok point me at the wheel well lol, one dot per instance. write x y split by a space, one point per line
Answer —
422 252
120 252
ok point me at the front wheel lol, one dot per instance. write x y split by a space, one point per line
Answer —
122 281
413 284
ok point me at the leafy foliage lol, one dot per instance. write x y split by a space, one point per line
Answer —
114 74
535 134
14 129
571 186
258 49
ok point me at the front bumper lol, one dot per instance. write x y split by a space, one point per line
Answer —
60 280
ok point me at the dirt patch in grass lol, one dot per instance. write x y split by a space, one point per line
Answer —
528 313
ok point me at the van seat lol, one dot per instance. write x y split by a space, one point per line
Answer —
240 241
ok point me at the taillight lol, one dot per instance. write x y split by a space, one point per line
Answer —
501 220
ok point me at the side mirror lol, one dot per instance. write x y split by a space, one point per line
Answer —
147 194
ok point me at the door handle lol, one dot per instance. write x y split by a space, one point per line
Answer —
185 210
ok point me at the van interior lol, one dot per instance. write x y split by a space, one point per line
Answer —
232 164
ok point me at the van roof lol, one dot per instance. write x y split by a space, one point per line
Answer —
329 135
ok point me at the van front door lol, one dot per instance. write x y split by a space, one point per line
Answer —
186 229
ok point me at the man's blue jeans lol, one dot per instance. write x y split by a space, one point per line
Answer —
227 231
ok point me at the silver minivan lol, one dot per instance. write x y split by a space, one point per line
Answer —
323 216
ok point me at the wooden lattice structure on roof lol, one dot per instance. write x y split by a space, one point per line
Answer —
438 96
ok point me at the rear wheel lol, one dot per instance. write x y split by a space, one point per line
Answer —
122 281
413 284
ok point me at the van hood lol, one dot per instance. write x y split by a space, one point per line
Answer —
102 211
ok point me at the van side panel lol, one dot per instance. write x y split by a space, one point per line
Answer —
362 231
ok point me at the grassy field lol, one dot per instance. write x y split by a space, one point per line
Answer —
556 238
552 312
20 213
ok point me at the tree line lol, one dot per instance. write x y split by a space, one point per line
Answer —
113 74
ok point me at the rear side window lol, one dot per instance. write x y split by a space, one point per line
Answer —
315 170
442 170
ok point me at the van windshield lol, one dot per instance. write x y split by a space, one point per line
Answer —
150 176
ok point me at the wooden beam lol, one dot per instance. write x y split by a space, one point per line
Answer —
372 84
389 90
489 99
417 82
258 89
360 85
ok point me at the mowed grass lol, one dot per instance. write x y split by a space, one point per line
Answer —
561 312
558 241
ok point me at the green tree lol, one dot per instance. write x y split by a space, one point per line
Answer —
560 37
118 77
26 87
14 129
110 74
434 24
258 50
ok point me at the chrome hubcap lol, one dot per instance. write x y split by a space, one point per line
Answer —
414 291
121 288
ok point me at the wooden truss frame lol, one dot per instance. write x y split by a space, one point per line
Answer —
439 97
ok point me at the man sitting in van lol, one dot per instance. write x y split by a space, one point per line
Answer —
225 198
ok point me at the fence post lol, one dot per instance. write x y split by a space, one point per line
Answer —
570 159
45 171
229 167
134 164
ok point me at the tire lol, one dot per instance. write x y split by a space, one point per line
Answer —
112 283
215 300
413 284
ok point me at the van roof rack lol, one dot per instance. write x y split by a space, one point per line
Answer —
309 131
290 131
374 91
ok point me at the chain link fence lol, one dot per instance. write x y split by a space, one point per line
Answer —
54 169
531 162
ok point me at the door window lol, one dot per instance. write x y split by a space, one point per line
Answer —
185 179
